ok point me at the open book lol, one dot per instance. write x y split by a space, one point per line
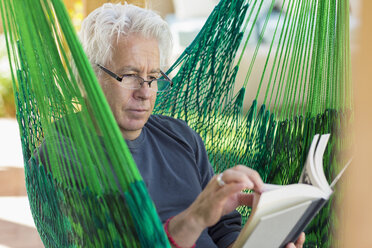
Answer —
282 212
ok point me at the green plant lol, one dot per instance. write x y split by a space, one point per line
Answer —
7 105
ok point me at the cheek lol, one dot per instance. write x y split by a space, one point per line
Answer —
153 99
115 95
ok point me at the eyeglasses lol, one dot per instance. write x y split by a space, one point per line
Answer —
135 82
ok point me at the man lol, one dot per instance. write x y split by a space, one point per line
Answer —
128 47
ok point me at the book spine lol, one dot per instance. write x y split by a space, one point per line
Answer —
304 221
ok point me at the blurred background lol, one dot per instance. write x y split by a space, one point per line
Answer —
185 19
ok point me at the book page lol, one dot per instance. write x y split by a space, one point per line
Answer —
321 182
340 174
278 199
308 170
313 172
276 226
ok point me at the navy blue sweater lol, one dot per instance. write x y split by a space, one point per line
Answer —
173 162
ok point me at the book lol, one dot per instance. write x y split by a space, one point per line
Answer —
281 212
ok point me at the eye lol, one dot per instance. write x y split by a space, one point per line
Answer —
129 75
154 76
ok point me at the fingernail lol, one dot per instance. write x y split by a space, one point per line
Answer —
259 189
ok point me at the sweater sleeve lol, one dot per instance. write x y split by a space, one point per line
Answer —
225 231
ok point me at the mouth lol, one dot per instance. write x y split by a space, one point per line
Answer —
137 110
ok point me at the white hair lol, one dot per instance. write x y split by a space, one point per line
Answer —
111 22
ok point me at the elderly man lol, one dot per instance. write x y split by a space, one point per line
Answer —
128 47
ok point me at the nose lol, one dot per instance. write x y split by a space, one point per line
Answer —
144 92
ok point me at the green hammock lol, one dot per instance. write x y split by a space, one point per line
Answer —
89 193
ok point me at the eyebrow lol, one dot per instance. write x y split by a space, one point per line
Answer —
132 68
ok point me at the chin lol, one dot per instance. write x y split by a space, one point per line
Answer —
133 125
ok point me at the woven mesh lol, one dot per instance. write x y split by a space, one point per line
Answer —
88 192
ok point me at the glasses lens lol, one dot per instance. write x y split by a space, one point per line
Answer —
132 82
163 85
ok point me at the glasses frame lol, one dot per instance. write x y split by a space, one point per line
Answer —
120 79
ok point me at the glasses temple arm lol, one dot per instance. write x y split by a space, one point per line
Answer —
110 73
166 77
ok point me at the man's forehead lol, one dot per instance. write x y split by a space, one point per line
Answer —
136 53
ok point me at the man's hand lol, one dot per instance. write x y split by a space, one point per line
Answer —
299 243
214 202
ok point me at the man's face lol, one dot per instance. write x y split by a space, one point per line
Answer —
132 107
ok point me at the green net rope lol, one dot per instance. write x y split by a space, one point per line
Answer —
88 192
304 89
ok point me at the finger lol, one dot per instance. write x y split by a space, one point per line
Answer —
228 190
252 175
212 185
233 176
301 240
290 245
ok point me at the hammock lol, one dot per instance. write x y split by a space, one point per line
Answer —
304 89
